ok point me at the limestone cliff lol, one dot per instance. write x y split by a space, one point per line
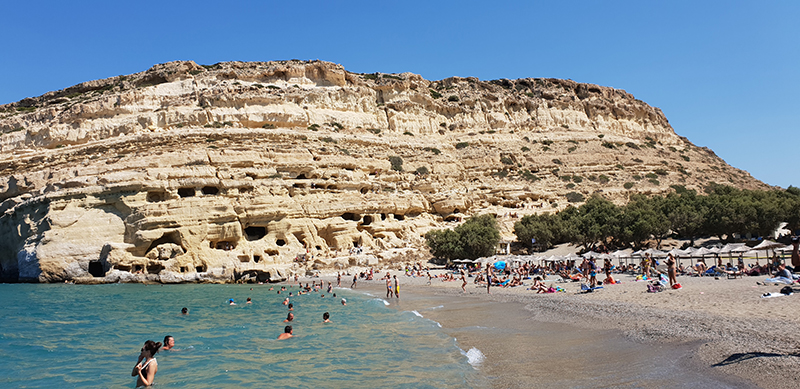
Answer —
240 170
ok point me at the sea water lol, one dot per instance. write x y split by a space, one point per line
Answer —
90 336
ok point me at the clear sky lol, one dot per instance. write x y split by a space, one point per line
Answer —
726 74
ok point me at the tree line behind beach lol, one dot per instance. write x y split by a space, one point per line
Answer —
721 211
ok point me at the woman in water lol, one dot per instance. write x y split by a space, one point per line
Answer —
147 368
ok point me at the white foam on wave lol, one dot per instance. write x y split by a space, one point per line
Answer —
474 357
438 307
438 324
417 313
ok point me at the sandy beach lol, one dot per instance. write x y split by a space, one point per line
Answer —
715 329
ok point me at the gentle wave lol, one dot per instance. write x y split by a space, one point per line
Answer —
417 313
474 357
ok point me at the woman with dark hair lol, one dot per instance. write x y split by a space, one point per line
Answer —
169 343
147 368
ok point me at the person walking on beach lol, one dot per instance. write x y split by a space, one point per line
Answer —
147 368
671 269
389 291
488 278
396 287
463 282
338 280
355 279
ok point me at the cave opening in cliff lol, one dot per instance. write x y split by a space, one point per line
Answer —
398 216
210 190
301 177
367 220
280 242
96 269
319 247
256 258
168 237
155 268
255 232
200 269
263 277
351 216
364 190
383 216
186 192
299 185
225 245
184 269
156 196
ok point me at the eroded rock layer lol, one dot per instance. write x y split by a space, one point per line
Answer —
255 171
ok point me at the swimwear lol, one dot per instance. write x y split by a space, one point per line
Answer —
143 369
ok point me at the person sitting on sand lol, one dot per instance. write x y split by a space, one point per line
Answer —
700 267
287 333
538 285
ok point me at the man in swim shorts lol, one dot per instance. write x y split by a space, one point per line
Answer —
389 291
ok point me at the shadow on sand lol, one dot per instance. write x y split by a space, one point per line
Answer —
741 357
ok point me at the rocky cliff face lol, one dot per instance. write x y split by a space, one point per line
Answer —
240 170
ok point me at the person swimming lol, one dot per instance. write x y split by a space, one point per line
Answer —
146 369
289 317
169 343
287 333
326 317
231 302
291 307
249 301
344 302
184 311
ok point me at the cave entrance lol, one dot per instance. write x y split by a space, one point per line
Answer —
399 217
169 237
280 242
186 192
210 190
255 232
367 220
155 268
96 269
351 216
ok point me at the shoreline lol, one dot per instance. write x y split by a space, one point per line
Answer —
717 328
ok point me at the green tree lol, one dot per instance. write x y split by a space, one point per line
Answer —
477 237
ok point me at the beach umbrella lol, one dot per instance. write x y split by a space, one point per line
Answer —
590 254
655 253
767 245
500 265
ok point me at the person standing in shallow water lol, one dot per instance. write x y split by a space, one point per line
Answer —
355 279
147 368
396 287
389 291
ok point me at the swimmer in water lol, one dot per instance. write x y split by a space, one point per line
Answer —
169 343
286 302
249 301
291 307
326 317
289 317
184 311
287 333
147 368
344 302
230 302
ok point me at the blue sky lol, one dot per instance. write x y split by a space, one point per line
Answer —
726 74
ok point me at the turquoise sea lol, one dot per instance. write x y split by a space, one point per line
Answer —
57 336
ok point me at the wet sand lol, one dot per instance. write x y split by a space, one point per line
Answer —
710 334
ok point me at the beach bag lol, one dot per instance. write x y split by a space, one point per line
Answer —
787 290
653 288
